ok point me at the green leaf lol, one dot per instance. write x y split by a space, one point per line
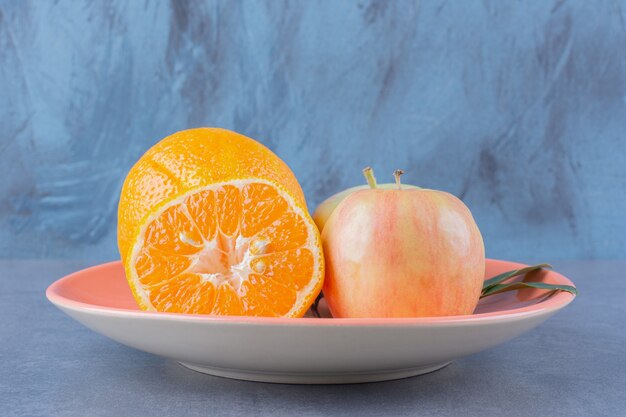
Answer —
315 306
506 275
500 288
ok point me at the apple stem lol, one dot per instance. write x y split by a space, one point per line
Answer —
368 172
398 173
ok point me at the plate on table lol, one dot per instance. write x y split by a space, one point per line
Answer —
306 350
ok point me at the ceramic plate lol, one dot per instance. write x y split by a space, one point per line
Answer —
306 350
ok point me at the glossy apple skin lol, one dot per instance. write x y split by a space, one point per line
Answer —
326 208
402 253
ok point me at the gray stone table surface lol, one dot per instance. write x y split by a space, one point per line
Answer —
572 365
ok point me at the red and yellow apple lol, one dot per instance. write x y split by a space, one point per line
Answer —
400 251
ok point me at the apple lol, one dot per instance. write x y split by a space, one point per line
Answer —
400 252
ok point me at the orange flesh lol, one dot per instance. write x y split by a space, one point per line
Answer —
230 250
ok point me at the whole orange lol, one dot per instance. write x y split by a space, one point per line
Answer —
213 222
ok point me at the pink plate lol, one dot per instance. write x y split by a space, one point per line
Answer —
304 350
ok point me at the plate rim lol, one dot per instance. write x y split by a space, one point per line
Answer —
551 304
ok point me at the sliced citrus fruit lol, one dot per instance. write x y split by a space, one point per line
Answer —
212 222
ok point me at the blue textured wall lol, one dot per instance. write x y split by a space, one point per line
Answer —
517 107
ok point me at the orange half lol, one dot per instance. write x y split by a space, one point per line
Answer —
238 248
